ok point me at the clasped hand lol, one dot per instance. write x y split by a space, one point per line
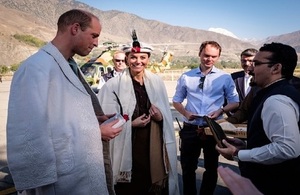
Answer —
143 120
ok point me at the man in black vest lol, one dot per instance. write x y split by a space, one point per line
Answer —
271 158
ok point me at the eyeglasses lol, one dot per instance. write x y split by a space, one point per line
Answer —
256 63
201 82
118 60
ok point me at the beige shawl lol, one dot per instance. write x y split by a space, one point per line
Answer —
121 153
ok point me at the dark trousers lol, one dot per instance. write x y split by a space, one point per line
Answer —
191 144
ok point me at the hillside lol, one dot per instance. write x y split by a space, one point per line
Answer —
38 18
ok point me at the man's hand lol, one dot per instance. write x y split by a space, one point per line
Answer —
108 132
236 183
233 145
215 114
103 118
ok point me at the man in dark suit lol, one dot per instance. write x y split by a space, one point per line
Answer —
242 78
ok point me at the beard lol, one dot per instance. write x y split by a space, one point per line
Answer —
252 83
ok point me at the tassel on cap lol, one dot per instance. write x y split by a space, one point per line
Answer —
135 42
136 46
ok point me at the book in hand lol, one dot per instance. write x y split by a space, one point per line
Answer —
216 130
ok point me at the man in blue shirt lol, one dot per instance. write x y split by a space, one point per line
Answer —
205 88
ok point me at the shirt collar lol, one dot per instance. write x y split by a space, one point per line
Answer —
213 70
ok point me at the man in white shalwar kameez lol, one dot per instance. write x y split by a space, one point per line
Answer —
54 142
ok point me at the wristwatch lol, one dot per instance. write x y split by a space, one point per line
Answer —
235 156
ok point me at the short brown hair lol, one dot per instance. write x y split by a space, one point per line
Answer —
83 18
249 52
212 43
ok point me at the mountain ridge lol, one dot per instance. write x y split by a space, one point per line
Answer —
38 18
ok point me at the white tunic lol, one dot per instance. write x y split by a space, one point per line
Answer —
53 137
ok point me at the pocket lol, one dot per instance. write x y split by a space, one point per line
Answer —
64 155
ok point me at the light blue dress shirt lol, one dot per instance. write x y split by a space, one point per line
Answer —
217 86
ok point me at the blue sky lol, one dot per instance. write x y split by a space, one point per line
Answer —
256 19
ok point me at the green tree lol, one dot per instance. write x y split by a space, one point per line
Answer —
3 69
14 67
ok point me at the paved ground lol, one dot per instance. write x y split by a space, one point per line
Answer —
5 179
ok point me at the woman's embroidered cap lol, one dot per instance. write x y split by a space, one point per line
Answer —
136 46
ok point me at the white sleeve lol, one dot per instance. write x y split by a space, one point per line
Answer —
280 116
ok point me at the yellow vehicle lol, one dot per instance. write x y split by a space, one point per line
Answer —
94 68
165 62
97 66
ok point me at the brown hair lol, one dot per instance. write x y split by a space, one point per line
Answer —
249 52
213 44
83 18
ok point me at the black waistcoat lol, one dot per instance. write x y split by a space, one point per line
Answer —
276 178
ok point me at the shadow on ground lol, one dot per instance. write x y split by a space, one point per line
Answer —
220 190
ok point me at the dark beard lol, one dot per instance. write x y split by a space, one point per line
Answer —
252 83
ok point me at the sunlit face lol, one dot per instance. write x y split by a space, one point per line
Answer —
88 39
137 62
246 63
262 70
209 56
119 62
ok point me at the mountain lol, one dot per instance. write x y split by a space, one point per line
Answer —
292 39
38 19
223 31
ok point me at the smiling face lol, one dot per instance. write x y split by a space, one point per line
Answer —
263 68
209 56
137 62
246 63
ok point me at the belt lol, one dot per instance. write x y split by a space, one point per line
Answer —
193 126
198 128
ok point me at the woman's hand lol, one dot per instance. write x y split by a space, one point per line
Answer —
141 121
155 113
